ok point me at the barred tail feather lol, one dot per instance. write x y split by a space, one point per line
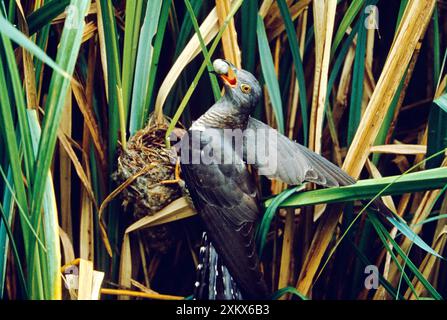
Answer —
213 281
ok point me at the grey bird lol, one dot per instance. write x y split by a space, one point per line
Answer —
224 193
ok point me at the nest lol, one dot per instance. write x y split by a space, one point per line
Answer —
146 153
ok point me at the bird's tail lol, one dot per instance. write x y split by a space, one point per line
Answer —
213 281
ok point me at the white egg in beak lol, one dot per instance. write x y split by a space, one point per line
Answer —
224 70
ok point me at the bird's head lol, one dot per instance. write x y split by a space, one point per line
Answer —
240 85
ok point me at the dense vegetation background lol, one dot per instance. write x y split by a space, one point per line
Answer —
361 82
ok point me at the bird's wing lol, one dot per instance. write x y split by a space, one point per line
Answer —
292 163
227 200
276 156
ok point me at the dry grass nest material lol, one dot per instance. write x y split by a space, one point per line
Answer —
147 157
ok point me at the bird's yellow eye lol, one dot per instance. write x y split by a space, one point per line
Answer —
245 88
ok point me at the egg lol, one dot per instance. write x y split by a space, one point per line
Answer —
220 66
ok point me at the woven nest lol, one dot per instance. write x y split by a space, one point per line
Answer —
146 153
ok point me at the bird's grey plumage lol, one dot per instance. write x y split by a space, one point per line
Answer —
214 281
225 195
289 162
227 200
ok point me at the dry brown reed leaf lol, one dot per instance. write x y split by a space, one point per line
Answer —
229 38
143 261
67 147
85 280
370 41
28 65
324 18
402 163
337 151
441 87
86 229
125 275
375 174
275 25
143 288
86 240
67 246
273 11
98 278
369 86
265 8
413 26
90 121
102 48
287 251
403 92
65 170
153 266
87 202
176 210
403 204
407 149
344 87
90 31
138 294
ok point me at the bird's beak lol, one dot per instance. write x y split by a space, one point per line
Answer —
226 71
229 78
